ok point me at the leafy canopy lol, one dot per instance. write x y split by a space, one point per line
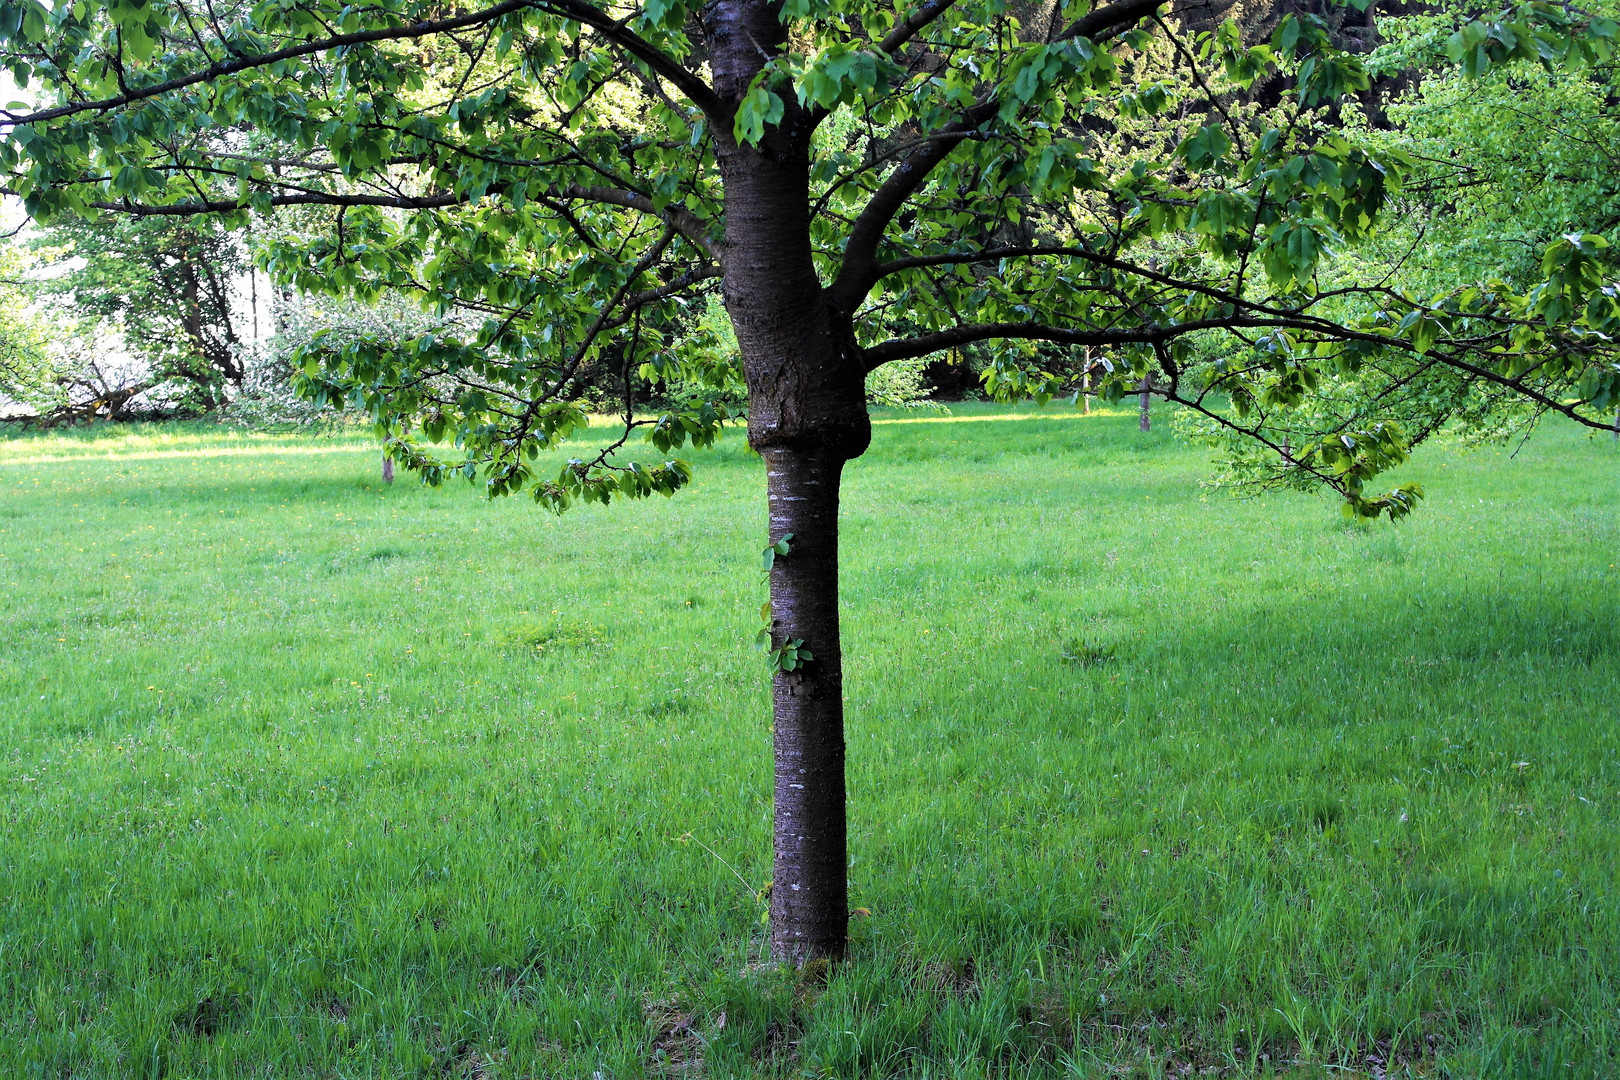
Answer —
1056 187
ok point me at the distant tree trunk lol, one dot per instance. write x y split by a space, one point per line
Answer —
221 342
1147 401
283 305
1085 381
1617 425
199 369
388 462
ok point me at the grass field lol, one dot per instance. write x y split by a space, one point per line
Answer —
308 777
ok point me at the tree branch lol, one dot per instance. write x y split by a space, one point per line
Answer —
954 258
1107 19
688 224
652 256
309 198
913 23
245 63
1256 433
856 276
923 344
1546 402
858 273
621 35
679 218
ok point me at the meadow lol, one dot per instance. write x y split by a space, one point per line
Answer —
306 776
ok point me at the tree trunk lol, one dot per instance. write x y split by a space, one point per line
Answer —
809 892
806 417
200 370
1085 381
1147 401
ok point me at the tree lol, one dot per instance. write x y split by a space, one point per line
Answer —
1506 162
51 373
27 375
866 184
1503 163
167 283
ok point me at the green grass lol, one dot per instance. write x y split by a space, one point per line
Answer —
308 777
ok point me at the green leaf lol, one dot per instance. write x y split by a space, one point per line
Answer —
1205 147
758 109
1425 332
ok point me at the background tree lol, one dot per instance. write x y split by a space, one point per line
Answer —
169 286
866 183
1504 163
29 379
51 372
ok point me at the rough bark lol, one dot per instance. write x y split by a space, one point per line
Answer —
806 416
809 891
805 386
